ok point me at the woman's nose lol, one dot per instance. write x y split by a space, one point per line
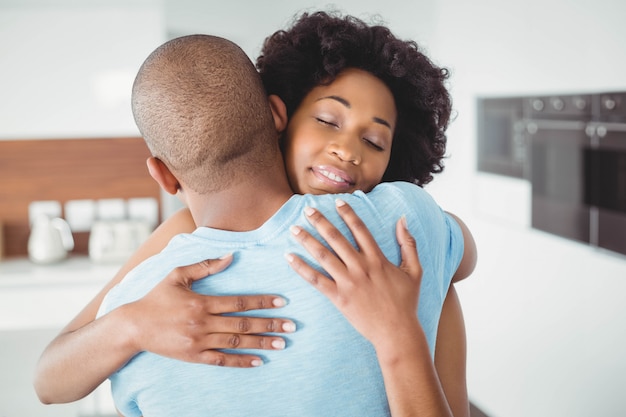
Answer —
347 150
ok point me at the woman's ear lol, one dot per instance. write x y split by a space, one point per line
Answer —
162 175
279 111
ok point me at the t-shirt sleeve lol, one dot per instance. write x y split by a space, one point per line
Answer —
456 246
439 236
130 410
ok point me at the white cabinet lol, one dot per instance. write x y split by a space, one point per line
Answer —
37 296
35 303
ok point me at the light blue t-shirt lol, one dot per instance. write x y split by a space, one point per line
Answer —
327 368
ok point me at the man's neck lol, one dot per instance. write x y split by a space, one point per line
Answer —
244 206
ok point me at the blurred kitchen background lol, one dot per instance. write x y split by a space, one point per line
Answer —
544 311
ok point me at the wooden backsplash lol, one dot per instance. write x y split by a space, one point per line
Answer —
67 169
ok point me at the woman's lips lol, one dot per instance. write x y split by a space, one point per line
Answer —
333 176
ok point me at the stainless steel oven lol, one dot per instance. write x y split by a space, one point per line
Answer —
605 170
557 139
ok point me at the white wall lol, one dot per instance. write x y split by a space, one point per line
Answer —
67 69
249 22
67 66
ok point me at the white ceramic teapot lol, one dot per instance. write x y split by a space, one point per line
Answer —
50 240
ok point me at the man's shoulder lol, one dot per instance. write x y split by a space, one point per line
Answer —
395 199
392 196
401 193
399 188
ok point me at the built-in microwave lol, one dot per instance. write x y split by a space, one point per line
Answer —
501 136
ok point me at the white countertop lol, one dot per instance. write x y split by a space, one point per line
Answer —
73 270
48 296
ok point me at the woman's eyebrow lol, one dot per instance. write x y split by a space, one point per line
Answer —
342 100
347 104
381 121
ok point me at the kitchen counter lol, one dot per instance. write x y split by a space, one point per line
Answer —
36 301
48 296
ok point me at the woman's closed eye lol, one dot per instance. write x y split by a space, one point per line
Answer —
374 144
326 122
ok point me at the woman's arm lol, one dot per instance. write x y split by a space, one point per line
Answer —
380 300
470 254
171 320
451 354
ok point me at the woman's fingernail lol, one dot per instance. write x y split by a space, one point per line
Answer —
295 230
228 255
289 326
309 211
404 224
278 344
279 302
256 362
339 202
289 257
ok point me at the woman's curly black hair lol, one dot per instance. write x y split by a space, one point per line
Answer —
319 46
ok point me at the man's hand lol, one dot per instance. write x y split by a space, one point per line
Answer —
174 321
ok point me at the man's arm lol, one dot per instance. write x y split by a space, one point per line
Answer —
171 320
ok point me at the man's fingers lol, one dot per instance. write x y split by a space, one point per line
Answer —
408 250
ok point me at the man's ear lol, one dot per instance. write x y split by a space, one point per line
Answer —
279 111
162 175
